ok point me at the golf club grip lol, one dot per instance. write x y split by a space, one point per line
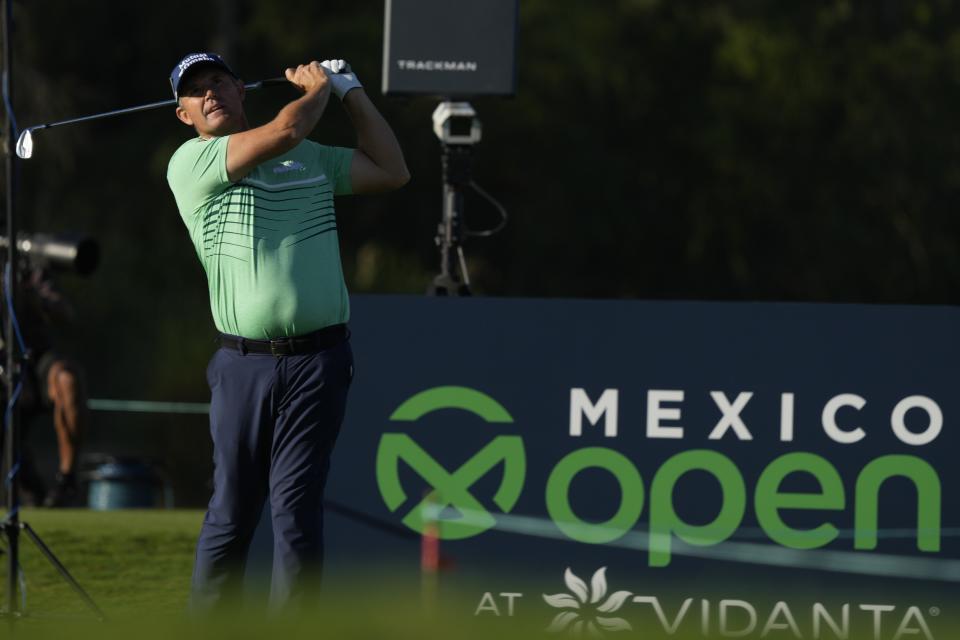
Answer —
269 82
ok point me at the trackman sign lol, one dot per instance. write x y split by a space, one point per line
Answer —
660 490
469 66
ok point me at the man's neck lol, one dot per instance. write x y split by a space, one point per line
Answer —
244 126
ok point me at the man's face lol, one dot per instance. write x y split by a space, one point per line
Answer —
211 101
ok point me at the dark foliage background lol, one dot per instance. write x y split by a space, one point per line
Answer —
733 150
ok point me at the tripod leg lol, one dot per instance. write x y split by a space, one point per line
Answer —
465 287
45 550
12 535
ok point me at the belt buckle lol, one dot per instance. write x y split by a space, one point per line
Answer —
281 347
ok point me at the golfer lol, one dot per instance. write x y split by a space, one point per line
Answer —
258 203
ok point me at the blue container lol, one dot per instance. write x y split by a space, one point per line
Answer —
127 484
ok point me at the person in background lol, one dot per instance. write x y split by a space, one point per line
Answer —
51 382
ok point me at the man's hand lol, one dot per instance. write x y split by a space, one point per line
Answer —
309 78
341 76
247 149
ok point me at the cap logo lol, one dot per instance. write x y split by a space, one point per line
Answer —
197 57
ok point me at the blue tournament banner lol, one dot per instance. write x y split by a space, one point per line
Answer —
705 468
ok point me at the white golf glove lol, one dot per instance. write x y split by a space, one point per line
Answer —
341 76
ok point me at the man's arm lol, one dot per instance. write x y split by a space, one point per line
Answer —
378 163
247 149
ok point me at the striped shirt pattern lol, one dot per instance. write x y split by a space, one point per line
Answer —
269 242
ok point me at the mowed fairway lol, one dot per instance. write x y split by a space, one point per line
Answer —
129 561
136 565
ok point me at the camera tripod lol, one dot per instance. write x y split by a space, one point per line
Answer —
12 526
458 128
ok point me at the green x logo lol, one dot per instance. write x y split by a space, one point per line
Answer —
451 489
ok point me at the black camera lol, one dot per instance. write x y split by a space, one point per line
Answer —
456 123
68 252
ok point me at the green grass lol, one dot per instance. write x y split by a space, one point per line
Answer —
128 561
136 565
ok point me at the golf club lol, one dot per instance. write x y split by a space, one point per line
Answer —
25 141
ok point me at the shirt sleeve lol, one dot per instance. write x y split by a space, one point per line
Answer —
198 172
336 163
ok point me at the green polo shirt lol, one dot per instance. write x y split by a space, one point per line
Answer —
268 242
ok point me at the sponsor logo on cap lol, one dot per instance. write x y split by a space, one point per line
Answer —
191 59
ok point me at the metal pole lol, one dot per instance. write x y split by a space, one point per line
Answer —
452 211
12 423
453 279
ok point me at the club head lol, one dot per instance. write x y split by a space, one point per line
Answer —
25 144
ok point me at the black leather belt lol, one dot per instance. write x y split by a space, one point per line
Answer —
310 343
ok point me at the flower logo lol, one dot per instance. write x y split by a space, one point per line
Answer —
582 612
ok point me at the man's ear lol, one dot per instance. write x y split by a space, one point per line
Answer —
183 116
241 88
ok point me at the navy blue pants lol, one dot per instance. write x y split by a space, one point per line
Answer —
274 421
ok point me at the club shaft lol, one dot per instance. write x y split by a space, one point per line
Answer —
253 86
